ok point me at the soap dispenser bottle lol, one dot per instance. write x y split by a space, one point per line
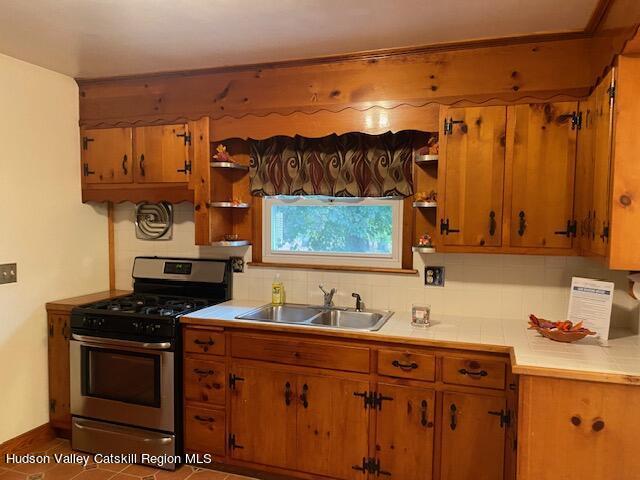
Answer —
277 291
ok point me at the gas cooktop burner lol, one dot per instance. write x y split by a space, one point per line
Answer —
150 305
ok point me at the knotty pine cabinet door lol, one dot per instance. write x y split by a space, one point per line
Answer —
107 155
405 431
591 427
601 196
473 439
263 415
332 426
162 154
59 332
542 170
472 162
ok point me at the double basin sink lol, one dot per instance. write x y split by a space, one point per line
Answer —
334 317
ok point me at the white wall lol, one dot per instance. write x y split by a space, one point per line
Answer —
59 244
494 286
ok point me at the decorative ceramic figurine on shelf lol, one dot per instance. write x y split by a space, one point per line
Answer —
425 241
432 146
432 196
222 155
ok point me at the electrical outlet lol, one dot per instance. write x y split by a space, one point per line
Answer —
8 273
434 276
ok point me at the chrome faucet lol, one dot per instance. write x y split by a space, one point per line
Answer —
328 296
358 301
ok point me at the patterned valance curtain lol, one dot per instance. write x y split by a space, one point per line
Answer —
349 165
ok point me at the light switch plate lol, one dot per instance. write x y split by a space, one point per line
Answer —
434 276
8 273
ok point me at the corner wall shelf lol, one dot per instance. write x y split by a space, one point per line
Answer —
229 165
228 205
425 204
426 158
421 249
231 243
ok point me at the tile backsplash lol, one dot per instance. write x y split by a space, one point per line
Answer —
493 286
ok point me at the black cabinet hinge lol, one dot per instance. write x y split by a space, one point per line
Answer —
52 405
576 121
186 169
504 416
571 231
85 142
186 137
445 228
448 125
233 379
612 91
233 444
85 170
370 465
372 399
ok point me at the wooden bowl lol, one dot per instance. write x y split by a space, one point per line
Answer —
560 336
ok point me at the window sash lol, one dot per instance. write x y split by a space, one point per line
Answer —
393 260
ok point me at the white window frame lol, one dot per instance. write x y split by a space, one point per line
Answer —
349 259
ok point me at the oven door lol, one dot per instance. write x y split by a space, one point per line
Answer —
122 381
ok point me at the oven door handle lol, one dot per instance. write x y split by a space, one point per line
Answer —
121 343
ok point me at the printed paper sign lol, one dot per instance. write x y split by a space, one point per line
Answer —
591 302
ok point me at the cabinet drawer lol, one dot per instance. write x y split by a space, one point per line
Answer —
204 381
204 430
398 363
301 352
204 341
474 372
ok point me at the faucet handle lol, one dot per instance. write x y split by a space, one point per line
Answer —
358 301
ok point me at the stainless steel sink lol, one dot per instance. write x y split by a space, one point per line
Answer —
316 316
288 313
366 320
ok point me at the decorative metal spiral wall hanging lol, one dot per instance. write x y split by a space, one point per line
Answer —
154 221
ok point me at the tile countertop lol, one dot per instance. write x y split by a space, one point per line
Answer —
531 354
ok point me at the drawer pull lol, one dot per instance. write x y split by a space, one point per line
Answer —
576 421
404 366
287 393
203 373
481 373
209 342
304 396
598 425
201 418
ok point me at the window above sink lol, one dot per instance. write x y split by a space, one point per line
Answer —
329 230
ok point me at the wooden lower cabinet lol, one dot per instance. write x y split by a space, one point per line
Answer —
59 331
473 437
577 430
405 431
263 415
393 416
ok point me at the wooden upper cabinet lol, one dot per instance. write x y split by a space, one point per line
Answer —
405 432
107 155
589 425
332 426
162 154
473 437
543 158
471 175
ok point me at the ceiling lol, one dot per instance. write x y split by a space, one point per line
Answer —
100 38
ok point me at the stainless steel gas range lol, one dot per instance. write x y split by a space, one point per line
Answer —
126 359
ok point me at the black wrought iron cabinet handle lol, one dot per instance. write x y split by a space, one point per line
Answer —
125 160
424 415
453 412
304 395
404 366
142 172
481 373
287 393
523 223
492 223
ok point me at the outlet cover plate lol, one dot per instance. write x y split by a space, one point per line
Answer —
434 276
8 273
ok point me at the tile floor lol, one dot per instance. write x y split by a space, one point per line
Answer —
53 471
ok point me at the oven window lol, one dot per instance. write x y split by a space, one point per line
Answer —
128 377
